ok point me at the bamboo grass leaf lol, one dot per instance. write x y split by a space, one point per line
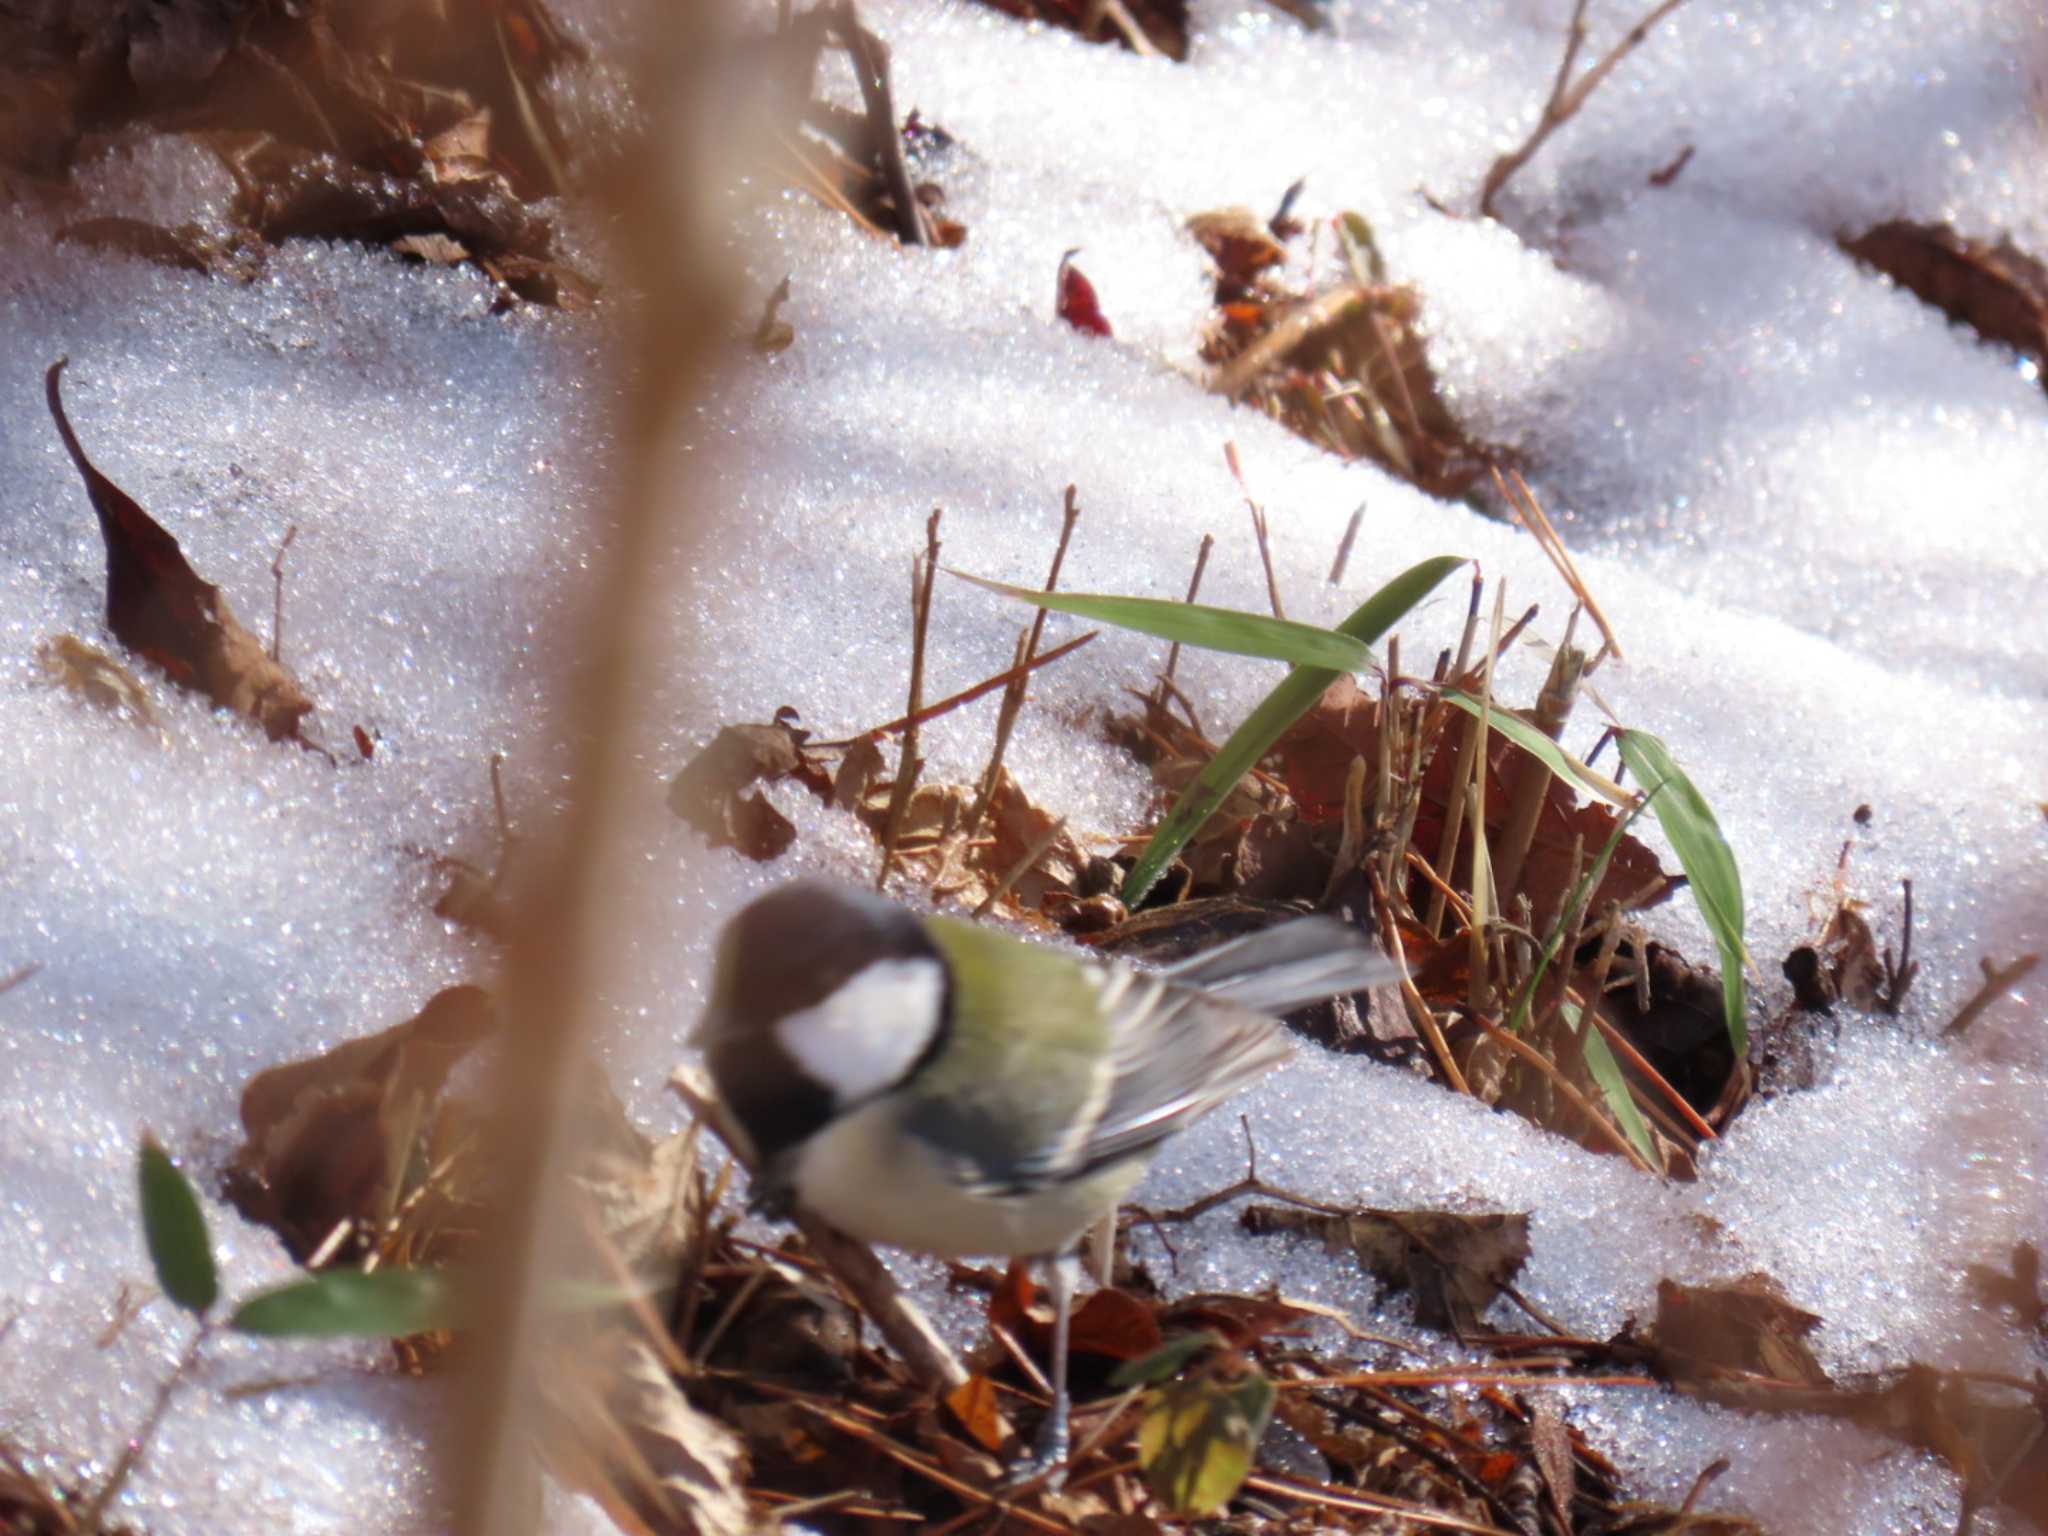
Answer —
1275 713
1613 1086
389 1303
1197 624
1541 747
175 1229
1709 864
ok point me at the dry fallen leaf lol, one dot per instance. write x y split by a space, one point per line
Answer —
1454 1264
159 607
715 791
331 1138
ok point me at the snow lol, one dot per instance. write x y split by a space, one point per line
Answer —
1805 501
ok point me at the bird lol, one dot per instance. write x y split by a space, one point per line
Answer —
947 1087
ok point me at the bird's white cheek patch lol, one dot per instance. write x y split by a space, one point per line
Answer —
866 1035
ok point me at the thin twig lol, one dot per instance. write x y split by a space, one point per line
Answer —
1194 586
954 701
870 57
277 592
138 1443
1344 545
1038 850
1567 97
1996 984
1530 514
908 764
1258 530
1300 322
1543 1064
1020 674
1898 978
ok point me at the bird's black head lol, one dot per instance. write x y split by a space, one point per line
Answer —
823 995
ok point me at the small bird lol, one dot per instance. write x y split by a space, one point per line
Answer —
942 1086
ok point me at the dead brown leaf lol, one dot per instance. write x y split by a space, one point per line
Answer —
1454 1264
159 607
1994 287
1743 1328
330 1139
715 791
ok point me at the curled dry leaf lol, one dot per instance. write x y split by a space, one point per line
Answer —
715 791
159 607
1744 1328
1454 1264
331 1138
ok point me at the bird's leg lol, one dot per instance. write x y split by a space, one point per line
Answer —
1048 1459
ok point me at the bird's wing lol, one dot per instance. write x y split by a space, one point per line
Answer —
1187 1038
1279 969
1176 1055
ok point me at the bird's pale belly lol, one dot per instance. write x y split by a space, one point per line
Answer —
862 1174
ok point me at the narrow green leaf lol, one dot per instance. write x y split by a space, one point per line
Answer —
1549 753
1612 1085
1265 725
1709 864
175 1229
389 1303
1198 1438
1212 629
1164 1361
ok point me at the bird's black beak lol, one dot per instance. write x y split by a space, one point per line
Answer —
773 1195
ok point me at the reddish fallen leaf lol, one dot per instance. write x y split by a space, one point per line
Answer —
364 745
1115 1325
1077 303
161 608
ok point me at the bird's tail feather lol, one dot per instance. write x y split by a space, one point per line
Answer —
1286 967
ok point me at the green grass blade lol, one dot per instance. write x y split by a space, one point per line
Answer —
1589 881
175 1229
1276 712
1612 1085
1546 751
388 1303
1708 862
1212 629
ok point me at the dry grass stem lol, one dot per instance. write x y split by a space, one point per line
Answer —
1259 531
1566 95
277 593
1997 983
1194 587
923 572
1529 513
1605 1128
1344 546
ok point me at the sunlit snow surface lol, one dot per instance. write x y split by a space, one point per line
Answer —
1809 506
